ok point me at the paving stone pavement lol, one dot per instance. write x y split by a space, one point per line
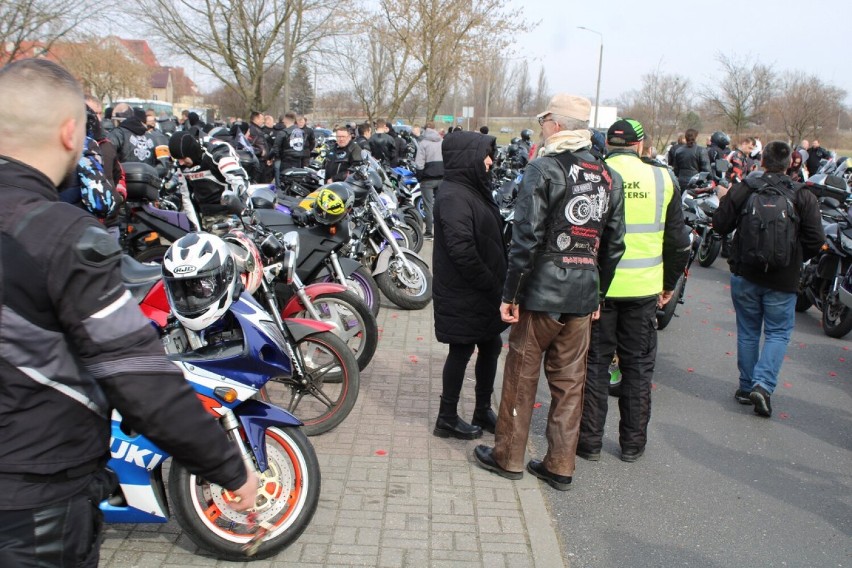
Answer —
392 494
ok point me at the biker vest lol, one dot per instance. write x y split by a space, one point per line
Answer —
575 226
648 190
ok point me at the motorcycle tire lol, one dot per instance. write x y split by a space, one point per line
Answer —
288 496
836 317
707 253
354 323
615 383
665 315
413 216
408 291
802 302
332 384
414 233
152 254
362 284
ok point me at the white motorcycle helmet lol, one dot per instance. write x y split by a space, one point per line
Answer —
200 278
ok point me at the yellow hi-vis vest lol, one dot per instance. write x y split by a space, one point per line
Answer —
648 190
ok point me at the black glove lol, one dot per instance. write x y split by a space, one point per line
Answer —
301 216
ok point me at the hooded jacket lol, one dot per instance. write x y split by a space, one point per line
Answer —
430 163
469 258
133 142
534 279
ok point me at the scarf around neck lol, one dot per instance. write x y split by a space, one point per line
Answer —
566 140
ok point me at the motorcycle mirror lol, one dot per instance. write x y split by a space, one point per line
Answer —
722 165
291 242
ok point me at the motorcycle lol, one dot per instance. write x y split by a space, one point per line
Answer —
151 213
699 204
323 383
505 182
328 302
822 275
667 312
227 370
400 273
322 259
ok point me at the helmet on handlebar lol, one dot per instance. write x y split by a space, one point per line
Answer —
526 134
247 256
200 278
332 203
720 139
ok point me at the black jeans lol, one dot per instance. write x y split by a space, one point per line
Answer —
64 535
629 328
485 369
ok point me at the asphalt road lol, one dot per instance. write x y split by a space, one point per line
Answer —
719 486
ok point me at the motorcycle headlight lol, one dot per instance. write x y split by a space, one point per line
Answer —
387 202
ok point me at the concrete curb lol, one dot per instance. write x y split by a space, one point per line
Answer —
544 543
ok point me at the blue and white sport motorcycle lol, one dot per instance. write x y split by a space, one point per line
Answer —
228 365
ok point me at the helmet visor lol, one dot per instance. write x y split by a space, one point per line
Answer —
192 296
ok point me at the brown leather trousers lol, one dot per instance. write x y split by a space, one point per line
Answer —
564 345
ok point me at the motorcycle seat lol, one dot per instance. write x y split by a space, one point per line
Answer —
135 272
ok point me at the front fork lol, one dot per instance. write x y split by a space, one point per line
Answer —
386 233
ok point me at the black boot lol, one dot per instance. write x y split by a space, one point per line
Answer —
449 425
485 418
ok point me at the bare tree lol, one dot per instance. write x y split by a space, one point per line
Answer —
542 96
381 73
805 106
446 37
523 91
661 104
36 23
240 42
743 92
104 69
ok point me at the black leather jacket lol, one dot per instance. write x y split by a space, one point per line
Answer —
535 282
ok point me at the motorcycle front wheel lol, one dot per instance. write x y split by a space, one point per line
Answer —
287 499
665 315
327 392
362 284
408 289
414 234
709 250
836 318
353 321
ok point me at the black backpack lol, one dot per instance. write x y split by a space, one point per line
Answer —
768 228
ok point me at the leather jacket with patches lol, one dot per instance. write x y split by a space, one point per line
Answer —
535 280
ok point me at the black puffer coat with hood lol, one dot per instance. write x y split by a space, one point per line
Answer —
469 259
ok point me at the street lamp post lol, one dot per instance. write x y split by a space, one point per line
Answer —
600 64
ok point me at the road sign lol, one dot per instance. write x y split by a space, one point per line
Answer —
443 118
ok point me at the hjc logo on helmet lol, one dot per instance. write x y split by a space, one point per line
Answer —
184 269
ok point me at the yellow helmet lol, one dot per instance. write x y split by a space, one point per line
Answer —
332 202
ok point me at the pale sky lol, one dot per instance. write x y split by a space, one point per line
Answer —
682 37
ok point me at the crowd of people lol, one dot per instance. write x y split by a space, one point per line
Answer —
597 246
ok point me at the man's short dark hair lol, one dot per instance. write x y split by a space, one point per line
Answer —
483 129
777 156
363 128
254 114
430 124
291 115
